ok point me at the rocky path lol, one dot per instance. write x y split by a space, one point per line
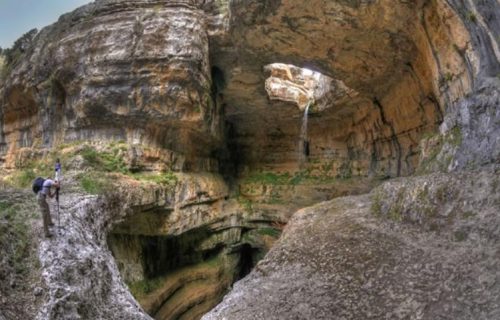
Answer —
80 274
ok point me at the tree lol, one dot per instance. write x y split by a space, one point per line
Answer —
20 46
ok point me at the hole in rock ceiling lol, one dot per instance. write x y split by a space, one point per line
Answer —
303 86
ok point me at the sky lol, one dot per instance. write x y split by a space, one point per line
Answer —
19 16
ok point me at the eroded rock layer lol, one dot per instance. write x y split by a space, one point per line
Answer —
116 70
412 251
181 251
407 61
178 86
162 73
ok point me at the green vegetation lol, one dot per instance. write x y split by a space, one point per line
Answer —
27 172
107 161
269 178
453 138
272 232
395 211
168 178
245 203
104 162
95 184
471 17
23 178
424 195
15 235
300 177
442 193
448 77
2 66
13 55
275 199
142 288
376 206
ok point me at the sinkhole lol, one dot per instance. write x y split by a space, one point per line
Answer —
183 276
303 87
309 90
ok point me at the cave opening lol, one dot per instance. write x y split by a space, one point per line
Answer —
293 84
247 260
164 254
218 79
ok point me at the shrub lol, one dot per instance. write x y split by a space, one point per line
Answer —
105 161
95 185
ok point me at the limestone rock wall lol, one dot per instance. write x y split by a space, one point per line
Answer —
166 73
115 70
182 83
407 61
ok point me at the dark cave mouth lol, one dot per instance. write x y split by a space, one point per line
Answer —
195 268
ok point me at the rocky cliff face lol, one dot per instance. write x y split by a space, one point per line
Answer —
117 71
420 248
206 99
162 74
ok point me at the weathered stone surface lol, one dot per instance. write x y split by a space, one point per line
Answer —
181 248
341 260
116 70
79 271
305 87
407 61
164 75
144 74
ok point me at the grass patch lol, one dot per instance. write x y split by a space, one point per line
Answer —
107 161
93 184
454 137
15 236
269 178
168 179
142 288
24 178
300 177
269 232
376 206
471 17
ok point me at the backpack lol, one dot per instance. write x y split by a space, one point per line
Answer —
38 184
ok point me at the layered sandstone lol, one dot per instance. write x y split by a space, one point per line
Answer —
163 73
181 86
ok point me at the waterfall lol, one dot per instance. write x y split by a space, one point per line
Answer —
303 141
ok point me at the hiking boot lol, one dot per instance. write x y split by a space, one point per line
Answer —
48 235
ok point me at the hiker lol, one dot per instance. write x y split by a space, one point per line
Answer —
57 168
44 206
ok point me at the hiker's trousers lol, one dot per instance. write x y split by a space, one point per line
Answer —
45 210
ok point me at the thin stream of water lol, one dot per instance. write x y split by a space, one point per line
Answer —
303 141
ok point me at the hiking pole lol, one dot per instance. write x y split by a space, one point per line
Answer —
58 215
